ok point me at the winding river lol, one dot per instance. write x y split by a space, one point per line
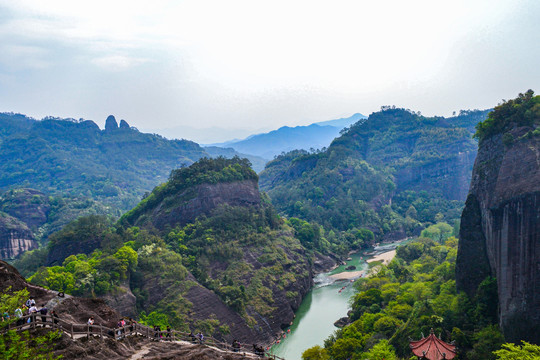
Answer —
322 306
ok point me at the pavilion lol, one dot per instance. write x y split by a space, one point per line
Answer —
433 348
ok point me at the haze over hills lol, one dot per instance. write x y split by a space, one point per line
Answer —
284 139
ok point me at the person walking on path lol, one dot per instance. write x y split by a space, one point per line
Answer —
32 312
19 315
90 323
200 336
43 311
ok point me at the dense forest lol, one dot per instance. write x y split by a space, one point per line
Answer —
75 158
392 174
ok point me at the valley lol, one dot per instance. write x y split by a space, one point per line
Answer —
209 251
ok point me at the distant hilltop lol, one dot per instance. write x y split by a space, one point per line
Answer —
314 136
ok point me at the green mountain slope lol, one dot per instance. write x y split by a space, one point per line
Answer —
208 252
389 173
77 158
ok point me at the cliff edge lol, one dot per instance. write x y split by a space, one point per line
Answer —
500 227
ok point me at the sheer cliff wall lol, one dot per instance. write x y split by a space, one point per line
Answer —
500 231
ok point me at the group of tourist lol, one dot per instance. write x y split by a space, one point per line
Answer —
30 308
199 338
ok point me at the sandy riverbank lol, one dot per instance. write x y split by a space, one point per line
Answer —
385 257
347 275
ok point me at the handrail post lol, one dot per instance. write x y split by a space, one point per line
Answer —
71 331
101 331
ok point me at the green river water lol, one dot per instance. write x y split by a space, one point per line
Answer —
321 307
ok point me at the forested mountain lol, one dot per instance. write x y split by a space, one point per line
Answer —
76 158
116 165
284 139
207 252
392 174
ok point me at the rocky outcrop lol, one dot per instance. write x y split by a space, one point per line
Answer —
124 124
30 206
15 237
69 308
110 123
185 207
500 230
122 300
451 176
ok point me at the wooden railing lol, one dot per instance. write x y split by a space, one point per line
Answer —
30 322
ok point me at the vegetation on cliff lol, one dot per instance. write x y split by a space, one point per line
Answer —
521 111
204 171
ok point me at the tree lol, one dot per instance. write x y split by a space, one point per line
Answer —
128 259
438 232
315 353
381 351
511 351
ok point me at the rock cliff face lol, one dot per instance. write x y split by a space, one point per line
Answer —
451 177
15 237
185 207
500 230
27 205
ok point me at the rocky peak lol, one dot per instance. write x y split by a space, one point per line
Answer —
124 124
186 206
110 123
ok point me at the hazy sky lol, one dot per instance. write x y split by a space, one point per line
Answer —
262 64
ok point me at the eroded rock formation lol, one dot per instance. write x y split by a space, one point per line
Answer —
15 237
500 230
186 206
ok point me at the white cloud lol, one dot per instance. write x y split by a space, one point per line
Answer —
18 57
275 62
118 62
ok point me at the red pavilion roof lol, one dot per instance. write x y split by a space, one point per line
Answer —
433 348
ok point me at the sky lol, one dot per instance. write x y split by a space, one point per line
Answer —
211 71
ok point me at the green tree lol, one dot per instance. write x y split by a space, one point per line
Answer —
315 353
438 232
154 318
511 351
381 351
128 259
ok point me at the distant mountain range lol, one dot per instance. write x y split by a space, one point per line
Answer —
115 166
314 136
